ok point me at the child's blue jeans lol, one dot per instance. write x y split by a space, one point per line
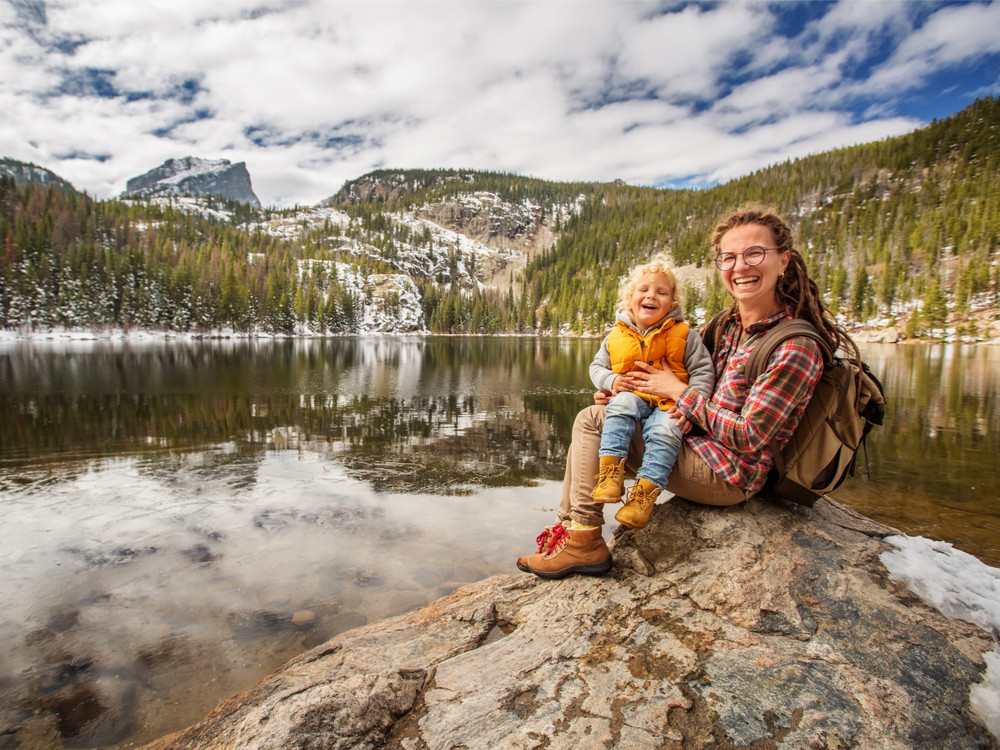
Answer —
660 433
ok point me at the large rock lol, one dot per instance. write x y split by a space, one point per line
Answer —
761 626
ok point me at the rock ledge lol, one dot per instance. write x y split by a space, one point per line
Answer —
762 626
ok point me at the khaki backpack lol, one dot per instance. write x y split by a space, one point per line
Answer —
847 403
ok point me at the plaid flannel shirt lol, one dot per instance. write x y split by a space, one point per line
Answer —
740 419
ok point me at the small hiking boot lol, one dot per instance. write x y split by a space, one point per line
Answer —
641 498
610 480
563 551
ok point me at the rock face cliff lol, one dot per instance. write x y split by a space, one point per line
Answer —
762 626
200 177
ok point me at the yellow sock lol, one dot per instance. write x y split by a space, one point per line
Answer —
576 526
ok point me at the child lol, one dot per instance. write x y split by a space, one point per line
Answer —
650 327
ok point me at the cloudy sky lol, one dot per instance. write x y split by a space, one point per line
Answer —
310 94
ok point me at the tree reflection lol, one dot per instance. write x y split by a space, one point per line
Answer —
447 415
428 415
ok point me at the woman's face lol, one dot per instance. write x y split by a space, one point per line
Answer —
752 286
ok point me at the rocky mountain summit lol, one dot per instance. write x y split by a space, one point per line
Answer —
761 626
218 178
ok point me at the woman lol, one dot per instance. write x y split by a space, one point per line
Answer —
726 459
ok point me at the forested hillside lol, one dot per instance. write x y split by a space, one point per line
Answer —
883 226
906 228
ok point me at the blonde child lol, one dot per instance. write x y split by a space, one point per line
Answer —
650 328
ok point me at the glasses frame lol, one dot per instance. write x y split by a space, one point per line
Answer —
728 266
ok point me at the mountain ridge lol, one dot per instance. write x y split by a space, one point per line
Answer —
25 173
901 234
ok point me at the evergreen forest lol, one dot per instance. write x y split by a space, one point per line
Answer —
900 231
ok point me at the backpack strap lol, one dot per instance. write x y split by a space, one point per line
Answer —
779 333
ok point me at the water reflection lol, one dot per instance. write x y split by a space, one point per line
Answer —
934 461
170 511
140 592
415 406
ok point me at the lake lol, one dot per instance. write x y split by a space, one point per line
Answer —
179 518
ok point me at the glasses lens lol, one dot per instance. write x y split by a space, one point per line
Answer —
725 261
754 256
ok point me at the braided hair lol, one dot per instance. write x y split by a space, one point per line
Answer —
796 291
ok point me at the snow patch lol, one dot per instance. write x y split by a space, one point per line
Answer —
962 587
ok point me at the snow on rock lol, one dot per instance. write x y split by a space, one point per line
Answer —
24 173
962 587
392 302
412 244
389 303
292 225
187 204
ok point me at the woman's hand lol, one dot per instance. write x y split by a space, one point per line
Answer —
602 397
662 383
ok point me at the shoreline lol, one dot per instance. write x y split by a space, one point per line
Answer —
861 335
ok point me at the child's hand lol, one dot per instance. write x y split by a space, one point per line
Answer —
602 397
621 383
682 421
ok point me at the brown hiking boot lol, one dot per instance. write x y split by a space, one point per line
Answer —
563 551
542 541
610 479
641 498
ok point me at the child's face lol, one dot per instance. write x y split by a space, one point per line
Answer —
652 299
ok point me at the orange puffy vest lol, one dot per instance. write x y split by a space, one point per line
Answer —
626 345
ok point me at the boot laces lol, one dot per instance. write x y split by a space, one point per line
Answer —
607 473
550 538
641 496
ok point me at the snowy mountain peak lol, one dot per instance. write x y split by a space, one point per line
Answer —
190 175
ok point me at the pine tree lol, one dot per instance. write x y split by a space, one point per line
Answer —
934 313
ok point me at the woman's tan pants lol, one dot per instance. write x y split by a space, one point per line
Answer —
691 477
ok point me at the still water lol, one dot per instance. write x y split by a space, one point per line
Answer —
177 519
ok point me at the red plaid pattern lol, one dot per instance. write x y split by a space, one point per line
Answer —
740 419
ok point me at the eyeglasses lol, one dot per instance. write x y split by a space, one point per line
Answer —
752 256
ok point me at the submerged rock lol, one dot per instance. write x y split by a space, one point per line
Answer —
304 619
757 626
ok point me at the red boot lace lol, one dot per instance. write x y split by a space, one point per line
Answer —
551 537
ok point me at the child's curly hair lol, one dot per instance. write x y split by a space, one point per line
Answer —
659 263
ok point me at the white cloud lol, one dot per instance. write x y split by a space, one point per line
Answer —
310 94
952 36
683 52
